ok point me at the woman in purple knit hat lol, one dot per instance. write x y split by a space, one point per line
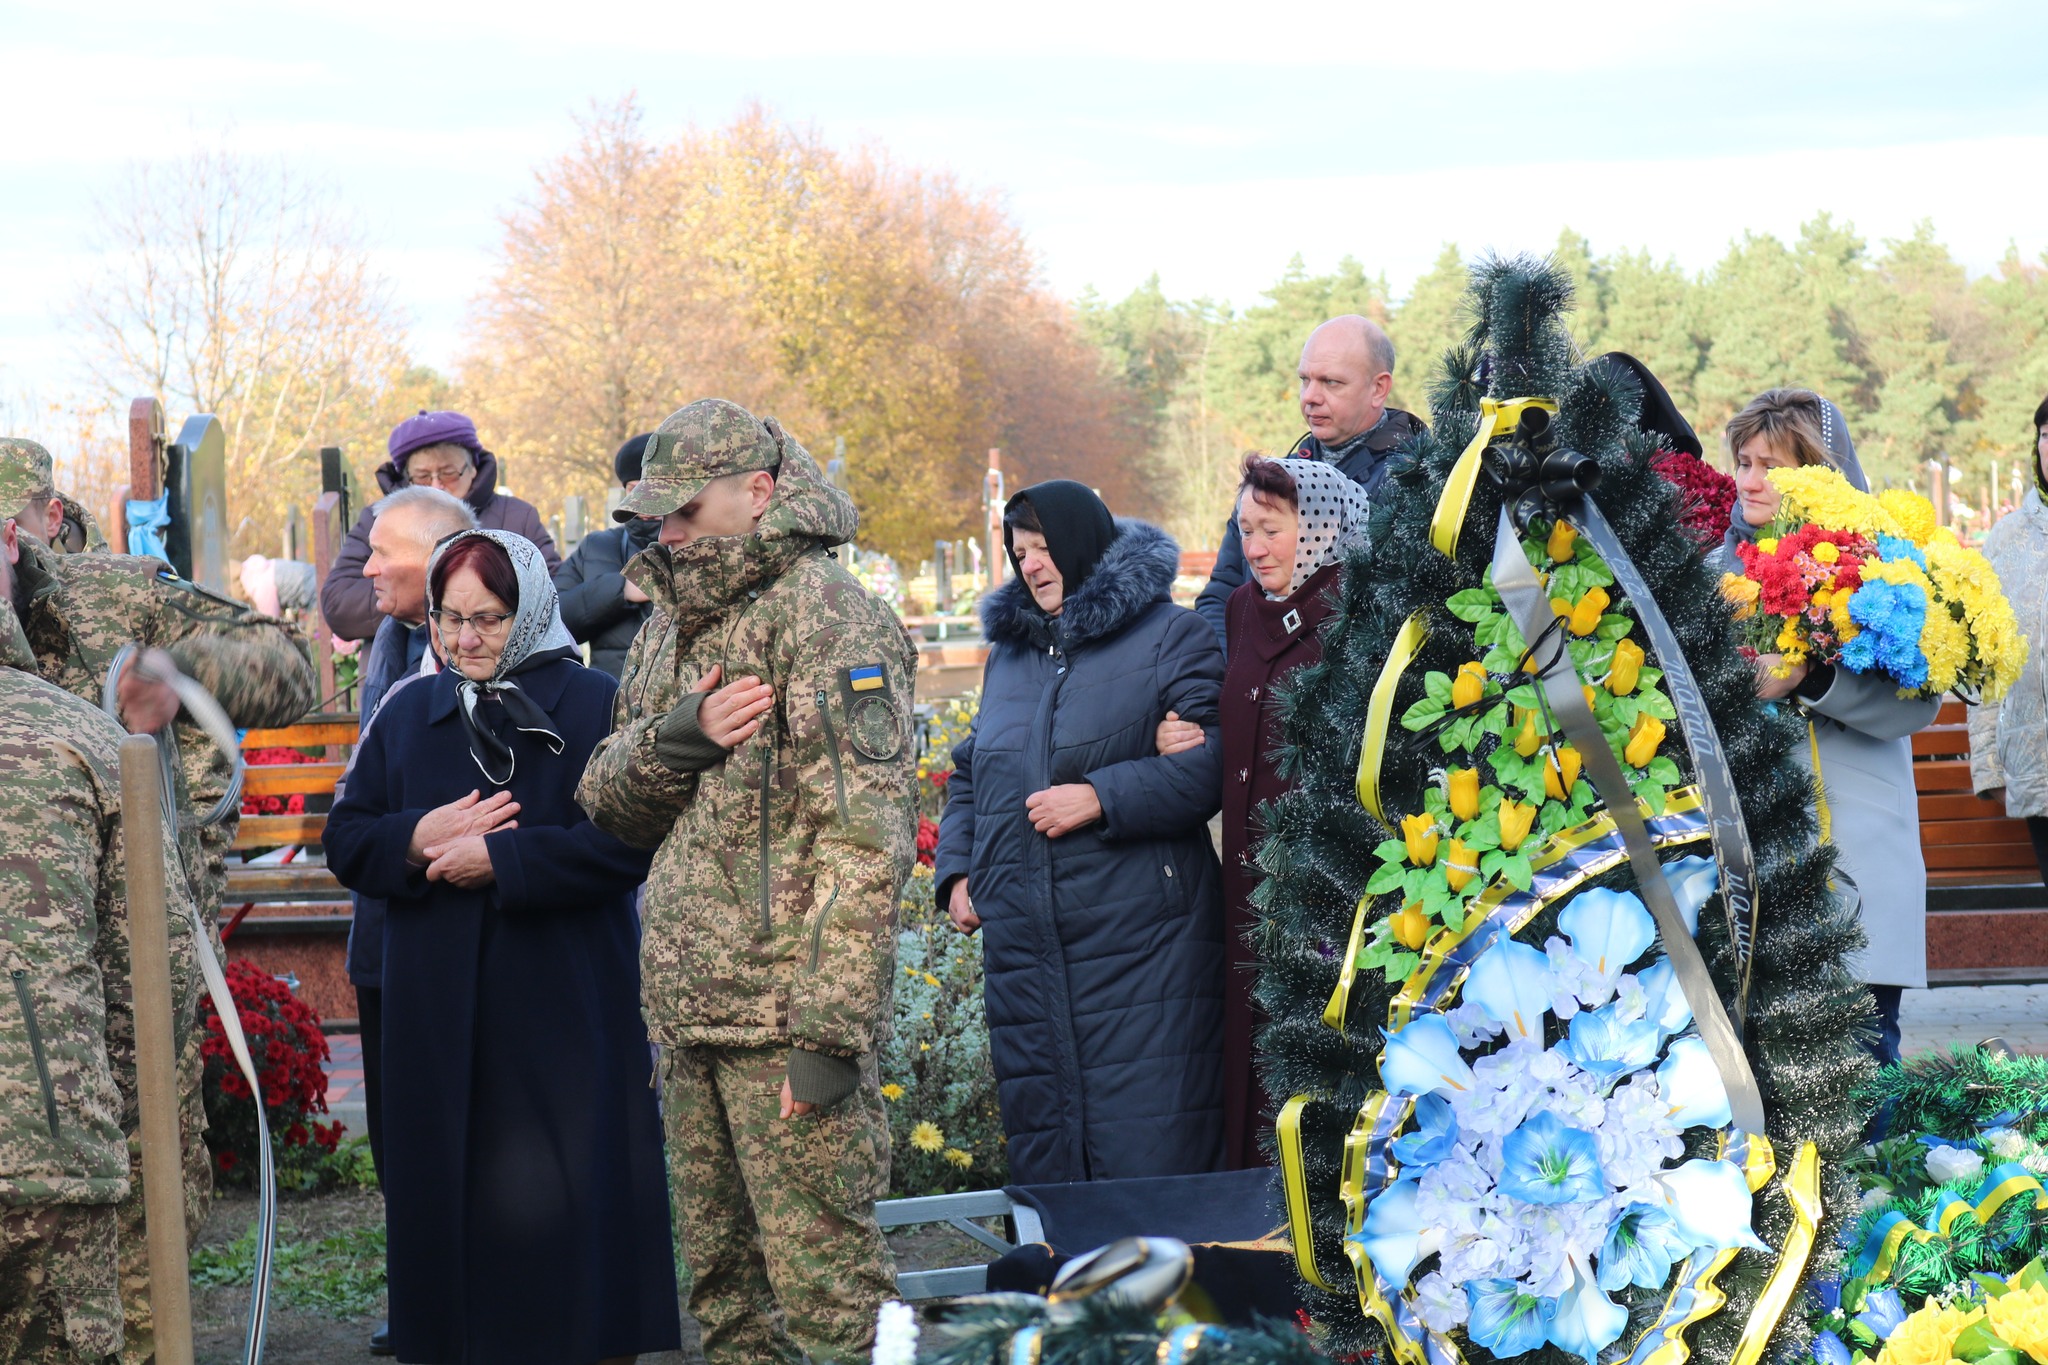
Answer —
440 450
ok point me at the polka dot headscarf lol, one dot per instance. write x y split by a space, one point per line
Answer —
1332 510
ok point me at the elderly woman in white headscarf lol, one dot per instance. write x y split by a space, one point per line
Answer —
1295 519
527 1205
1859 742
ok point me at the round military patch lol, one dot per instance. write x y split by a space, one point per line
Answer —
874 728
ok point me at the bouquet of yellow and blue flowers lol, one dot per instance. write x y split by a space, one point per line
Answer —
1873 585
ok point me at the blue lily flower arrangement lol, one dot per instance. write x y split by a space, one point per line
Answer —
1544 1178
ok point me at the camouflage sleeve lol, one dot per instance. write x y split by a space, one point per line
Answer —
627 790
848 705
255 666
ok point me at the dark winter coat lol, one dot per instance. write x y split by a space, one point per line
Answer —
592 585
1268 640
1363 460
1103 949
393 656
528 1206
347 602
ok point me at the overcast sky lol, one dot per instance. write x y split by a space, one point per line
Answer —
1206 142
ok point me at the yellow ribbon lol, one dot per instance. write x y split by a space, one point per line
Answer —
1379 711
1758 1165
1820 791
1340 999
1801 1188
1294 1180
1457 495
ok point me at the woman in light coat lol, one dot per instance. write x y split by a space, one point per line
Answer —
2009 739
1858 727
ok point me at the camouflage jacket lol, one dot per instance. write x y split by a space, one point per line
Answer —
78 610
67 1059
770 914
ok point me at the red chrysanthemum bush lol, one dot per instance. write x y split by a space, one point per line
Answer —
1706 496
290 1052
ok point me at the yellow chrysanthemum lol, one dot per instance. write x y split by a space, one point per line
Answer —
956 1157
1818 494
1792 644
1741 593
926 1137
1946 643
1913 513
892 1091
1928 1336
1838 617
2020 1317
930 980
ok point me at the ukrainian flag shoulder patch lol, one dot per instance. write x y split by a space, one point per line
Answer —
866 678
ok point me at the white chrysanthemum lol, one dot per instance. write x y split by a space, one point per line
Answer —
1945 1164
896 1334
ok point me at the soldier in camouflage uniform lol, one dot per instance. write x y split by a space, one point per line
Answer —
67 1061
77 611
783 806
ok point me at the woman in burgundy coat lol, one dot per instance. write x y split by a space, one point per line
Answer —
1296 517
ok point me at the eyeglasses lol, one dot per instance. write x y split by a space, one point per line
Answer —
485 623
436 478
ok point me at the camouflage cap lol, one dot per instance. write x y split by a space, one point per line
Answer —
706 440
25 472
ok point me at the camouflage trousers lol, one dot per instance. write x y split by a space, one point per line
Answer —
139 1344
777 1217
58 1303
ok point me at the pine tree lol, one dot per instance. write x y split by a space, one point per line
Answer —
1804 1008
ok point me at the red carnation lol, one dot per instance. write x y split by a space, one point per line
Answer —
1706 496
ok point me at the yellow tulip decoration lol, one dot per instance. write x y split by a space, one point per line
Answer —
1419 833
1627 668
1470 684
1410 926
1643 740
1562 538
1465 793
1585 617
1558 786
1528 739
1461 865
1516 820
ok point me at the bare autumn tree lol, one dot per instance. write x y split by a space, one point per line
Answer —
850 297
229 285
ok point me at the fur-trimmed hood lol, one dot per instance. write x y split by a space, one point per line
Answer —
1136 571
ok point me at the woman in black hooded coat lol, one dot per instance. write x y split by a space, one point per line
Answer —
1084 856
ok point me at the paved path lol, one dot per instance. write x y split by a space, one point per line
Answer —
1970 1014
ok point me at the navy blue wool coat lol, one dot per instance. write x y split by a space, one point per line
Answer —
1103 949
527 1205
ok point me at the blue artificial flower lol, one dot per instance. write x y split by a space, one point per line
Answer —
1891 616
1432 1137
1826 1293
1608 929
1829 1349
1608 1050
1392 1234
1693 882
1422 1058
1547 1161
1586 1321
1511 982
1691 1087
1504 1319
1641 1247
1710 1203
1882 1312
1663 999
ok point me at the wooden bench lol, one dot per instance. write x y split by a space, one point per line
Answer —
1987 911
293 918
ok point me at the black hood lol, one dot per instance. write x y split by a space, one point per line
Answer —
1076 524
1135 571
